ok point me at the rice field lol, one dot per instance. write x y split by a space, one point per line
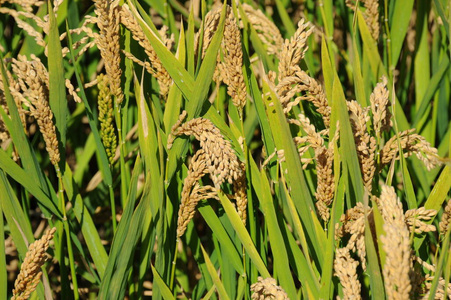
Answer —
225 150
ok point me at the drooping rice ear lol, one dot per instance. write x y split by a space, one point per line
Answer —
379 107
411 143
233 62
153 66
446 219
266 30
396 244
30 271
345 268
267 288
108 20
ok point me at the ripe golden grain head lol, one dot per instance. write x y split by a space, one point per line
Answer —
267 31
33 80
345 268
217 158
267 288
396 243
233 62
153 66
30 271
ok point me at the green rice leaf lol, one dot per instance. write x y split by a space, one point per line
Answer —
441 12
164 289
207 68
24 179
307 269
176 70
224 239
19 225
328 71
4 273
358 79
295 176
124 241
378 68
57 89
190 40
374 269
214 275
196 101
286 20
401 15
348 148
88 228
440 190
243 235
281 265
327 271
256 42
432 87
408 185
442 261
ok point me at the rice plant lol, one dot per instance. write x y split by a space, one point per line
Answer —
225 150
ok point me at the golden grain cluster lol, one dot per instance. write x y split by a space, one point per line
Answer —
214 165
30 271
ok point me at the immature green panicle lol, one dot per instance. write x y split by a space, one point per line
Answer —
106 118
30 272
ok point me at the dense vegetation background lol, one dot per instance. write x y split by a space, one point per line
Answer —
194 149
